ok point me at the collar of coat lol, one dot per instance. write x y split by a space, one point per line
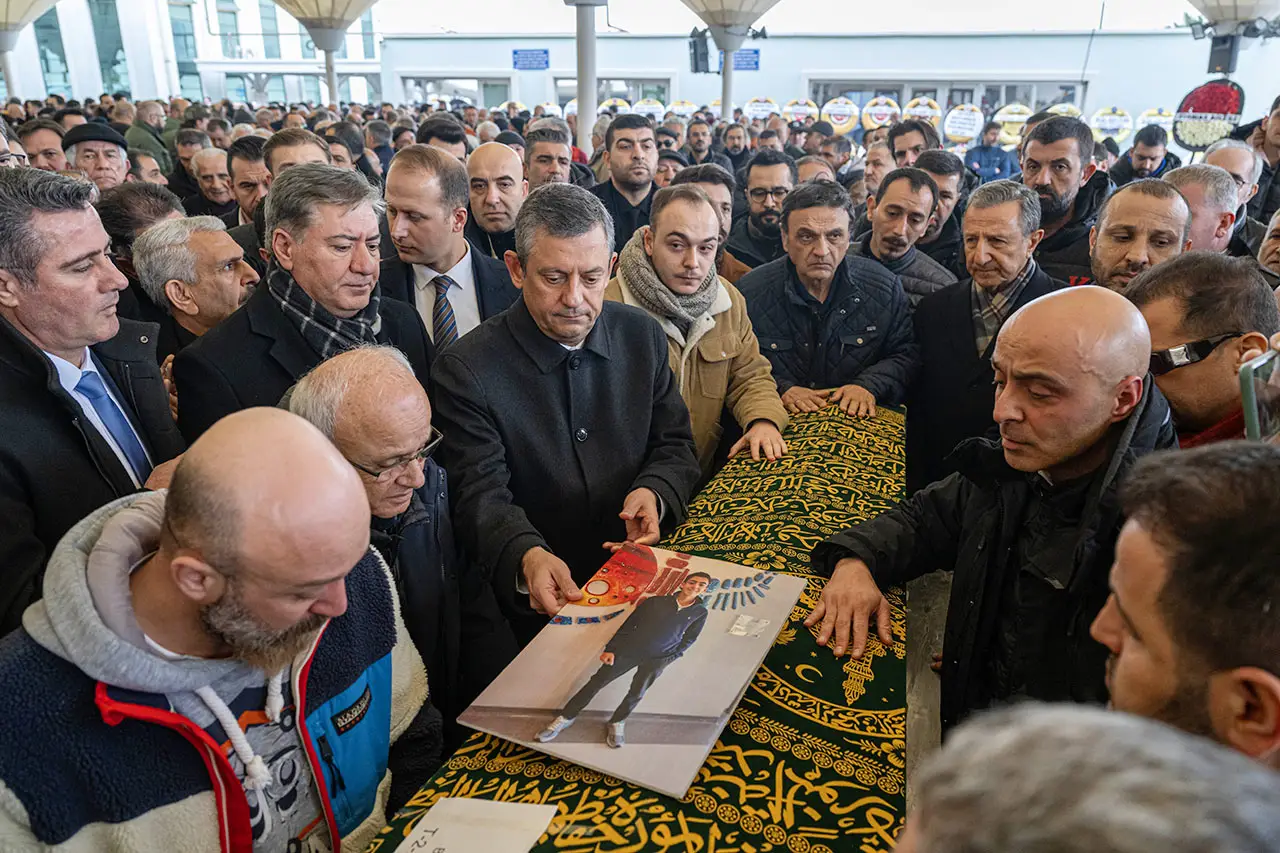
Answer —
863 248
546 353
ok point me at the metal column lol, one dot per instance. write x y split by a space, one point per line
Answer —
586 75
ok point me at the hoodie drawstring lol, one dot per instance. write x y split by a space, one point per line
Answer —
257 775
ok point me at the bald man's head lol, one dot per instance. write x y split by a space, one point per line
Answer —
498 187
1069 366
263 521
370 403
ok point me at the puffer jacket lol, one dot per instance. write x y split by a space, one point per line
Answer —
1065 254
861 335
717 366
970 524
1122 172
920 274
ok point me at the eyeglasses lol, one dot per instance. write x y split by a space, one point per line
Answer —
389 473
1170 359
760 194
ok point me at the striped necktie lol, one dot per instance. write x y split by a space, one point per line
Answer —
443 325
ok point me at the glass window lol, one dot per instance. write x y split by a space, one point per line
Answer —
311 89
230 31
858 92
190 85
237 87
630 90
1051 94
308 46
106 35
270 29
275 89
184 33
366 34
53 57
488 93
959 96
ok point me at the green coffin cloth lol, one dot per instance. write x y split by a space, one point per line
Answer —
812 760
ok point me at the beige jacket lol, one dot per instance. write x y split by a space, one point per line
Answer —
719 365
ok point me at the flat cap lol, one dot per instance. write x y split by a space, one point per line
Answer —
92 132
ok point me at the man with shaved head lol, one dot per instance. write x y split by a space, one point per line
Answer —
495 177
371 406
1028 524
227 658
1144 223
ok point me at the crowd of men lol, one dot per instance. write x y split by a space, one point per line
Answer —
313 418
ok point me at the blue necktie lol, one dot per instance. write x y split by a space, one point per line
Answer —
90 385
445 327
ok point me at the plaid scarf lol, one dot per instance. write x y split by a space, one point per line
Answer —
326 334
991 307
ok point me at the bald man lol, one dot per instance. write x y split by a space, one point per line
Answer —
226 659
372 407
1028 524
495 176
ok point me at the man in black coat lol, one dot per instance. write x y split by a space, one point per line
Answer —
631 155
320 297
1028 525
564 427
836 328
84 416
756 238
956 328
1057 162
214 197
426 194
368 402
497 188
1149 157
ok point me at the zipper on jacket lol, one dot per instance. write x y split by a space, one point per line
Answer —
326 753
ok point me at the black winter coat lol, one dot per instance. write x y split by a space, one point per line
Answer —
970 523
1266 202
954 393
1065 255
1122 172
627 218
860 335
492 246
920 274
948 247
55 468
752 250
543 445
494 290
256 354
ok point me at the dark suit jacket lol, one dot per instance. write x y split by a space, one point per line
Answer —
181 183
543 445
954 393
247 238
256 354
55 468
494 289
198 205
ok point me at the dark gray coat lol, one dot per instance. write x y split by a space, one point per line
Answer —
543 444
920 274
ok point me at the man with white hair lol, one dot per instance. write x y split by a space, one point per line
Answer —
215 197
1078 780
1244 163
1211 194
368 402
196 272
487 131
99 152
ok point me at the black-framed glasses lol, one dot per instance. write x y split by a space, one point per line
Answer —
394 470
1164 361
760 193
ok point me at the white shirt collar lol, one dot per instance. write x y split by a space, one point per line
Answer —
453 272
68 374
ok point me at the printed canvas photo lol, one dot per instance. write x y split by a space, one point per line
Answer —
639 677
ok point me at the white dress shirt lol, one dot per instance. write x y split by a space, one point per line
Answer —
463 298
69 377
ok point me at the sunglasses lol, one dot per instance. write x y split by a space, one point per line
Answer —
1164 361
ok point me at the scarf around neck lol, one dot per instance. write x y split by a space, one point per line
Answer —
682 309
326 334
